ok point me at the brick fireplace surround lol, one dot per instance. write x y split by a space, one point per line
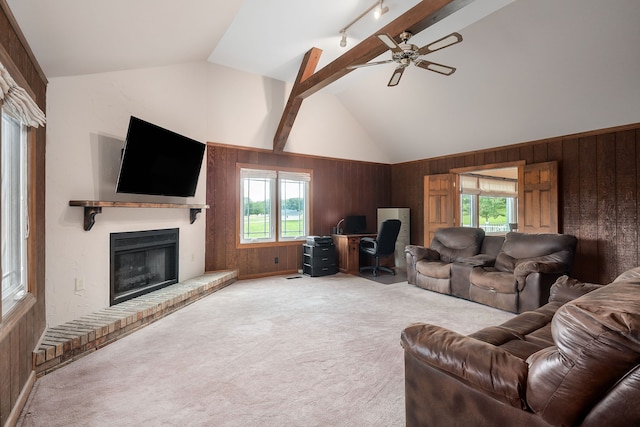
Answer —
67 342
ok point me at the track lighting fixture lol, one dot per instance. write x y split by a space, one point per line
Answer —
378 8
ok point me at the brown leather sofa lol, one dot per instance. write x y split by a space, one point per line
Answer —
432 268
572 362
513 273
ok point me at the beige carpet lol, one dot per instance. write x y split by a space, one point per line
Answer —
267 352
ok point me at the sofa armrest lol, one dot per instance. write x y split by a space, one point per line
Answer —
480 260
567 288
415 253
543 264
420 252
478 364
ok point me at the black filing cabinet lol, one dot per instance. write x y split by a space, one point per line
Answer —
319 260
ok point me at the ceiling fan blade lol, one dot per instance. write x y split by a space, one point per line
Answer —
351 67
390 42
446 41
432 66
395 77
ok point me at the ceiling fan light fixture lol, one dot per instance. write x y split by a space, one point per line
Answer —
343 40
405 53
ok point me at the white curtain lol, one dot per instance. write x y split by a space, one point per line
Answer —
18 100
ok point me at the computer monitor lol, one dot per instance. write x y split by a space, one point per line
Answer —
355 224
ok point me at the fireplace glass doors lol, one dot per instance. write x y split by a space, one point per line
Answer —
142 261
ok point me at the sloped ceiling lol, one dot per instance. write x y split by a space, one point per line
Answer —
526 70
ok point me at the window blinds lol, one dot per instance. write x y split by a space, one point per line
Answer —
258 173
295 176
487 186
272 174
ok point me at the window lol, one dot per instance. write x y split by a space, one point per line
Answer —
274 205
13 207
294 205
488 203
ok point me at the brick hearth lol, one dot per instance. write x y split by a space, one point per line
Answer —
69 341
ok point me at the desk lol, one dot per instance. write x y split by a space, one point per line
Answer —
348 251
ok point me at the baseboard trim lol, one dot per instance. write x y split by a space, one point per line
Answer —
269 274
22 401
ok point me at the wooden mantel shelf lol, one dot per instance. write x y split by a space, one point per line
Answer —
94 207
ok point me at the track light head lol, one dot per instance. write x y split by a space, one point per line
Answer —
343 40
380 10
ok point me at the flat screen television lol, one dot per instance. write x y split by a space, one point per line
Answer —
159 162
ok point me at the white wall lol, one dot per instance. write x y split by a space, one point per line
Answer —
87 119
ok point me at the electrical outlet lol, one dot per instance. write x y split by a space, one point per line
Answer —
275 260
79 284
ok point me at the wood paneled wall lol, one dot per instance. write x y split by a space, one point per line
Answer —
22 328
339 188
598 192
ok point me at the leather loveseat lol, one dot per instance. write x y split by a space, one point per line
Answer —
572 362
432 268
513 273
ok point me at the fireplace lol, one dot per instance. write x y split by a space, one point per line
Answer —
141 262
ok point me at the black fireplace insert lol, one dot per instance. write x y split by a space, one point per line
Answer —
141 262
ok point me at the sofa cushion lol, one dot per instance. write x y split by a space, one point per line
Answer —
524 334
491 279
457 242
491 245
597 339
558 248
437 269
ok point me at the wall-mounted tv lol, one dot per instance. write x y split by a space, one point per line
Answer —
159 162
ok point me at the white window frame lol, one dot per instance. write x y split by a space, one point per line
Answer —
14 219
301 180
273 180
260 181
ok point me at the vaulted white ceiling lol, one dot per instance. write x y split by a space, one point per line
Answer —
526 70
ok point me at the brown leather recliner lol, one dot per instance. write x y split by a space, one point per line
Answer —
524 270
574 363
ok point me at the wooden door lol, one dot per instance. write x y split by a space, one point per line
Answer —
538 199
439 204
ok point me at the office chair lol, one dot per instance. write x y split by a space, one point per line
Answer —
384 244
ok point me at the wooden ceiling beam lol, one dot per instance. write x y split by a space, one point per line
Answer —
307 68
416 19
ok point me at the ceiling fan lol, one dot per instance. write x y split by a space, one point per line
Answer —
405 53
